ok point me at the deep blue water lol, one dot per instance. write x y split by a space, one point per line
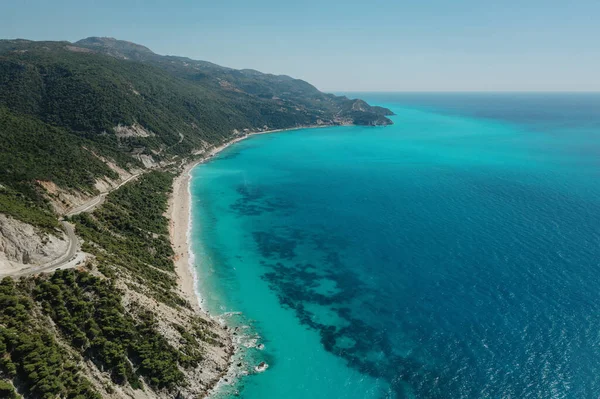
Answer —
453 254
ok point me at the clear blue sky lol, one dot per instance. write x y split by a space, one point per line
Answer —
343 45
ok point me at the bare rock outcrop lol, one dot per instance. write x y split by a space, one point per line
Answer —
22 245
147 160
134 130
62 199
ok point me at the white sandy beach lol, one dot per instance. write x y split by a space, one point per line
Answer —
179 215
179 225
179 211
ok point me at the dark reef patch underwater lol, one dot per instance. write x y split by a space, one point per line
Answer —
453 254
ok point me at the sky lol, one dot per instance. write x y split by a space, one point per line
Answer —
348 45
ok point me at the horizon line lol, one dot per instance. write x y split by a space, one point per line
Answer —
466 91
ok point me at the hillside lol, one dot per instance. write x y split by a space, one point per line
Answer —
283 91
116 326
104 99
92 134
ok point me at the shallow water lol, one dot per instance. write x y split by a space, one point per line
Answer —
454 254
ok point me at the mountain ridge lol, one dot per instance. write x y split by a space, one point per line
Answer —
142 53
111 123
108 99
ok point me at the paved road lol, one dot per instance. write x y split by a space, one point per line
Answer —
69 259
99 199
72 256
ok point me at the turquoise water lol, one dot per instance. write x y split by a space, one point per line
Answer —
453 254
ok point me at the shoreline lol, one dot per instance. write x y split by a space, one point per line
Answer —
180 224
179 214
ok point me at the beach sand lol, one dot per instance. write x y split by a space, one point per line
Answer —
179 224
179 216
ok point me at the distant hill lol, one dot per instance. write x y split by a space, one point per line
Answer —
91 136
280 88
64 104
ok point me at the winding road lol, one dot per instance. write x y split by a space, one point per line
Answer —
72 256
99 199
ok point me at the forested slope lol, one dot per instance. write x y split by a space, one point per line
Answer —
64 107
77 119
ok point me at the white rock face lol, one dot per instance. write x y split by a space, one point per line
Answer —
134 130
147 160
21 245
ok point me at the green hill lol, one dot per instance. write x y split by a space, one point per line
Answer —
79 117
65 105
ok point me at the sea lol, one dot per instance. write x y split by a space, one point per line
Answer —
454 254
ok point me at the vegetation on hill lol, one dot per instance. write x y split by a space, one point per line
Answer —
128 235
68 114
93 325
90 91
130 232
60 104
282 89
30 356
88 310
32 151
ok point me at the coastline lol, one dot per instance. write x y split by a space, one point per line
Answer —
179 223
179 215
